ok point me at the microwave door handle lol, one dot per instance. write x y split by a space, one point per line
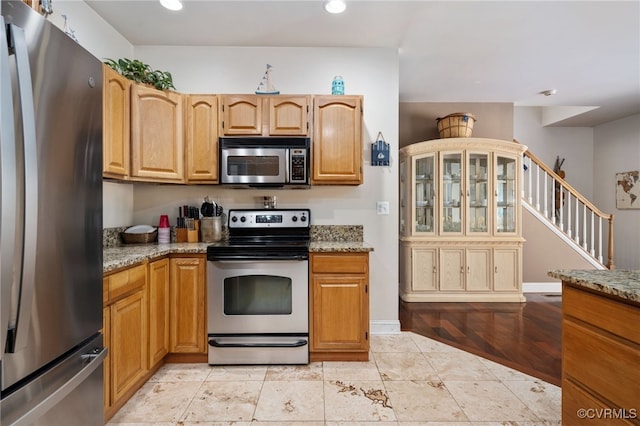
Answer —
287 166
8 189
30 223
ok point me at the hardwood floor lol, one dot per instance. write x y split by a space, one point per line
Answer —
524 336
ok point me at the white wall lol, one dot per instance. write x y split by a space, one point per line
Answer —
372 73
574 144
593 157
99 38
617 149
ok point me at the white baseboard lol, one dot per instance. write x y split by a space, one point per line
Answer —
548 287
384 327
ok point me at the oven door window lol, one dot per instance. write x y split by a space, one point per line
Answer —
257 295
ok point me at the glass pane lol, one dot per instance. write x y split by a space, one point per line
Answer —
258 165
478 192
451 195
257 295
505 194
424 194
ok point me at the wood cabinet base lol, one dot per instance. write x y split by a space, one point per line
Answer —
174 358
118 404
338 356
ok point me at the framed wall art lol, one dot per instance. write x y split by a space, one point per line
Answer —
628 190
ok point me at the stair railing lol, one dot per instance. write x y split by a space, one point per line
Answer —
567 209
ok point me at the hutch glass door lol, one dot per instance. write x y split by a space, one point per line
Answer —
478 172
505 194
424 193
451 192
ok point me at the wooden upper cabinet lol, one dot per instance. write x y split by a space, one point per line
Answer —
157 152
337 140
264 115
116 124
241 115
201 139
289 115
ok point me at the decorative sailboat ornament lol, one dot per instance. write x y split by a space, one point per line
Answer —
266 87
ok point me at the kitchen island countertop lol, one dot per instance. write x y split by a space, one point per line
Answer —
624 284
124 256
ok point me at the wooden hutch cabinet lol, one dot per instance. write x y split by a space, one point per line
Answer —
460 220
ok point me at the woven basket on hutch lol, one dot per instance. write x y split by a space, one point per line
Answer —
456 125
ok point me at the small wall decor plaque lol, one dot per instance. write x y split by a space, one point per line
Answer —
380 151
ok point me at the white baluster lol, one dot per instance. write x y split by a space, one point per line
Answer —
538 188
600 239
584 227
569 227
593 233
546 198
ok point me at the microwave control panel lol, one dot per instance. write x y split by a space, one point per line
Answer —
298 165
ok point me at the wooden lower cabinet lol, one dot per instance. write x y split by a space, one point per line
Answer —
126 327
158 311
152 313
339 306
600 354
187 310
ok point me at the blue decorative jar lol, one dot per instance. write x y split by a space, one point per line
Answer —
337 86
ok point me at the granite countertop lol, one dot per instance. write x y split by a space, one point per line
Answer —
621 283
123 256
120 256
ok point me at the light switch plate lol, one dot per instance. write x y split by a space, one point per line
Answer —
382 207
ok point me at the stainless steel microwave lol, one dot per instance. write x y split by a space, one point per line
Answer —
265 161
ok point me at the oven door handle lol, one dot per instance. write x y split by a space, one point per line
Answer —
218 344
258 259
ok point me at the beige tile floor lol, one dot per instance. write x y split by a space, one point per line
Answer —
409 380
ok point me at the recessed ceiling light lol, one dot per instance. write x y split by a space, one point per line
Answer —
171 4
335 6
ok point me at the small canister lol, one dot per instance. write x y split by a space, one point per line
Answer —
337 86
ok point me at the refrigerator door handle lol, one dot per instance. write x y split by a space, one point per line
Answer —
8 186
59 394
30 231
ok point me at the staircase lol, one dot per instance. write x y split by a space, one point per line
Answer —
567 213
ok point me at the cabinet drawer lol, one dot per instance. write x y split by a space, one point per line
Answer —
607 365
575 399
615 317
348 263
123 282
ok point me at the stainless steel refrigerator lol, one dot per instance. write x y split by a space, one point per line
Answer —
50 225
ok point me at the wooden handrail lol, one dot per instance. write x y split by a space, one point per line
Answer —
608 216
568 187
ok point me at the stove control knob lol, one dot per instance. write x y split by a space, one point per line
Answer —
243 219
303 218
234 219
294 218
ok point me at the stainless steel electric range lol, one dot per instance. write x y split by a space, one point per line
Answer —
258 289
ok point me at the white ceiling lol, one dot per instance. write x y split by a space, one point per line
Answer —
450 51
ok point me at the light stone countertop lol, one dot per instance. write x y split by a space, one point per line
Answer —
125 256
624 284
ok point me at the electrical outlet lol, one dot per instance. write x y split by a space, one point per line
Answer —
382 207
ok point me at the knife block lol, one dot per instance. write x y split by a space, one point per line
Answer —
192 234
181 235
